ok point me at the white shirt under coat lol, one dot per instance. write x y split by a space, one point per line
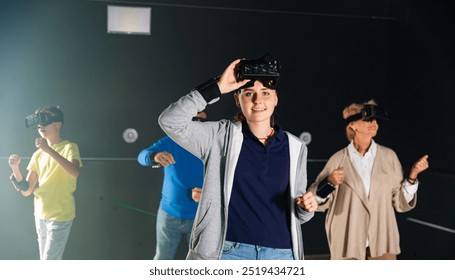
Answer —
364 166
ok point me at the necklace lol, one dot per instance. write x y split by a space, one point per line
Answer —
268 136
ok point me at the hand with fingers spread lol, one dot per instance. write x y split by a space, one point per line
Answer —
164 158
336 177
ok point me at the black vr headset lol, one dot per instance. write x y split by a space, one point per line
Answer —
265 69
41 118
369 113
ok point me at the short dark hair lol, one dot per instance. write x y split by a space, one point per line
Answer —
54 110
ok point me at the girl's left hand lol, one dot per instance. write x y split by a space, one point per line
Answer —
307 202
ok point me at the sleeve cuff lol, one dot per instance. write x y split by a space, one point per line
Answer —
209 89
321 200
410 190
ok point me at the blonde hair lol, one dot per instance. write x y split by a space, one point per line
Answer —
351 110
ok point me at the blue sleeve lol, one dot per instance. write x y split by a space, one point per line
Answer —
164 144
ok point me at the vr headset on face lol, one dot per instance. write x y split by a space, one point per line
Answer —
265 69
42 119
370 113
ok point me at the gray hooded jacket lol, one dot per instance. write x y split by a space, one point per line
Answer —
218 145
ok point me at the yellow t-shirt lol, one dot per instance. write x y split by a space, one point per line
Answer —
54 198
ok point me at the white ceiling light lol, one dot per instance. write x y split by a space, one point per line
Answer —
129 20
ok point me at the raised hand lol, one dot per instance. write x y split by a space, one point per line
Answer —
419 166
14 161
228 82
41 143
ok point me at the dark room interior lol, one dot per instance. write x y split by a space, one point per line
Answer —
333 53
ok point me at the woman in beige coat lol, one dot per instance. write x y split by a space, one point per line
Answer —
362 186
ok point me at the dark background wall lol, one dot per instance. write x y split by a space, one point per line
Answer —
333 53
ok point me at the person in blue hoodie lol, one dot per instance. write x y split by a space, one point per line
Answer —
181 190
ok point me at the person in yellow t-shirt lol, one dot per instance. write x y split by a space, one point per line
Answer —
54 166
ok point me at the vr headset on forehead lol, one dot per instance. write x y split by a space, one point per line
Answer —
370 113
41 118
265 69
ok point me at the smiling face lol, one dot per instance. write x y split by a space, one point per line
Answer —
51 130
257 103
365 129
55 117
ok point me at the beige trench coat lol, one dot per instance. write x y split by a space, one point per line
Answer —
352 217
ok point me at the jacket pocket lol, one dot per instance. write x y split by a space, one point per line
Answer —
203 221
206 239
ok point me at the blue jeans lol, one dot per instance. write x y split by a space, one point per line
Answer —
243 251
52 238
169 232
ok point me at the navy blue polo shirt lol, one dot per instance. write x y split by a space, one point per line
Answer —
259 206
